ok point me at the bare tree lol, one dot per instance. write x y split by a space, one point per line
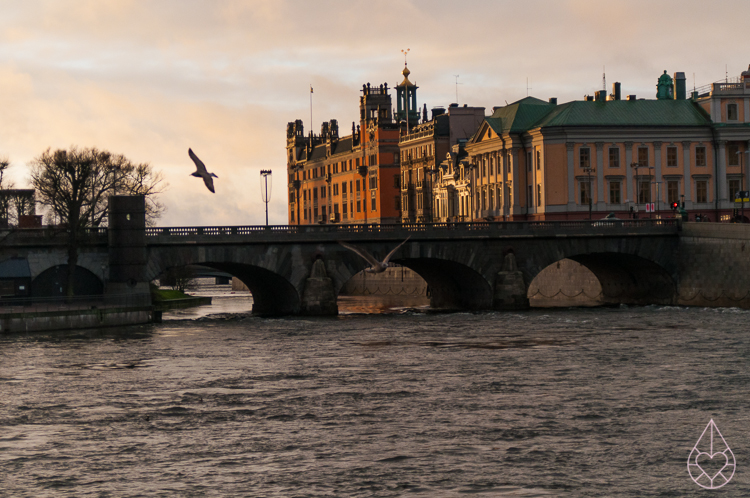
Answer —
75 185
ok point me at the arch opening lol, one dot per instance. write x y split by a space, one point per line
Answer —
272 294
601 279
53 282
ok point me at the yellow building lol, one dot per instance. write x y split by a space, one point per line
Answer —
537 160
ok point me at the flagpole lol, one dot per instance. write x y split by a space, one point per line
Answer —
311 121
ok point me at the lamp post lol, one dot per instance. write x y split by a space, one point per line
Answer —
636 193
742 185
589 170
264 174
658 197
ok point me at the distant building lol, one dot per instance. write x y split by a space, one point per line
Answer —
536 160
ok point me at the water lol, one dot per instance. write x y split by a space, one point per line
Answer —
573 403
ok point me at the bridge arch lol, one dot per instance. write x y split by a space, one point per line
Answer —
625 278
53 282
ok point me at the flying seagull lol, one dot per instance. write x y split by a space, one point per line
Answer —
201 172
376 266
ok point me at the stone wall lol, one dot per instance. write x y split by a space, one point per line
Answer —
73 319
714 265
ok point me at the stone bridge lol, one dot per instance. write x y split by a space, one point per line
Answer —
301 269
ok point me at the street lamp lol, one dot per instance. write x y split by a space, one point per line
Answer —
589 170
636 192
265 173
742 185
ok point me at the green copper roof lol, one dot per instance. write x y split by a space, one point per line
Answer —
626 113
519 116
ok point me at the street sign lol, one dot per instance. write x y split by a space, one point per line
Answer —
650 207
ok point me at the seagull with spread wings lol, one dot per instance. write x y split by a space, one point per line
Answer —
201 172
376 266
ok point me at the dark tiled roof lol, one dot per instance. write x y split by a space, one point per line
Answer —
519 116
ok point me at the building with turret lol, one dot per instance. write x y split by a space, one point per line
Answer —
346 179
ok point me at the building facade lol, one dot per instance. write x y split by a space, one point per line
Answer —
346 179
537 160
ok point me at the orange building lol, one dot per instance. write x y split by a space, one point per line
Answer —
346 179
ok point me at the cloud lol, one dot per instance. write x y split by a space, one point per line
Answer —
150 79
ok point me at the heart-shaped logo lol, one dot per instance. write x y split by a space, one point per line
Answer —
711 464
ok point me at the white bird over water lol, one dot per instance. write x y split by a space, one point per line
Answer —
376 266
201 172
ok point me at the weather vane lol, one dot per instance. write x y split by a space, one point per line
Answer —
405 52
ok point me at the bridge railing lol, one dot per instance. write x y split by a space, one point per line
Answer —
510 226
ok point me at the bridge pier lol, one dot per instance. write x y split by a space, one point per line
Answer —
510 291
319 297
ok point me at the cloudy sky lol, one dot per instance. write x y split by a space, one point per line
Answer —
149 79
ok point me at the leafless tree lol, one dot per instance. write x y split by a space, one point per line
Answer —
75 185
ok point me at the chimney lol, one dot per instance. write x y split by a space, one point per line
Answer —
588 98
553 100
616 90
631 97
601 95
679 86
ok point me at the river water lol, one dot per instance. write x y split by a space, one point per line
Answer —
214 402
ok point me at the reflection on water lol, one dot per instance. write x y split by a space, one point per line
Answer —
381 304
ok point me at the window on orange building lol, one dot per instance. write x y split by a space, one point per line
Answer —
700 156
733 158
584 158
701 191
673 191
614 192
642 156
614 157
672 157
584 192
538 160
732 112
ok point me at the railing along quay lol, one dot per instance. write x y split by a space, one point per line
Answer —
595 226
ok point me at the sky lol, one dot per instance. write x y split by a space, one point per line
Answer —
151 78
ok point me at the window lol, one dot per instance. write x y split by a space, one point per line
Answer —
538 160
585 193
344 206
733 158
499 195
373 202
528 160
358 189
492 166
584 158
614 157
671 157
614 193
734 187
292 216
315 194
701 191
700 156
343 188
538 193
322 192
731 112
397 181
642 156
673 191
397 203
530 200
359 206
644 192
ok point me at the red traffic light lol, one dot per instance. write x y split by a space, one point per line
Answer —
674 205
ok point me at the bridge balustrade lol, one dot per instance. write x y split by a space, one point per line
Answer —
485 226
